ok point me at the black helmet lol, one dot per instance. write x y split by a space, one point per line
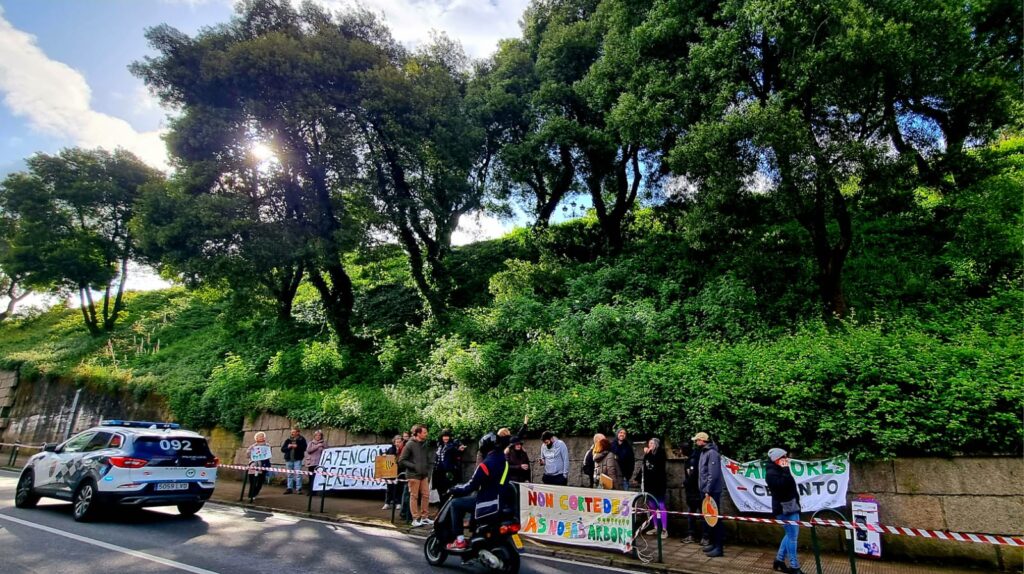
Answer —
487 443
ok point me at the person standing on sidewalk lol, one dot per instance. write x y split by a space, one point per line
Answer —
393 491
651 477
785 506
314 449
259 457
294 449
606 466
588 461
691 489
415 462
518 461
627 459
554 457
447 464
710 476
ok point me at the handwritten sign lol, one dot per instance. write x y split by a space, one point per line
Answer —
579 516
385 466
356 464
259 452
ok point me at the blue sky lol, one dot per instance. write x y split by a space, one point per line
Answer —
64 77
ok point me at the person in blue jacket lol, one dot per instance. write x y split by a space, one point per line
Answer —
490 482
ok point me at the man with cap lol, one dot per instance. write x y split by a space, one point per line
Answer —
710 483
785 506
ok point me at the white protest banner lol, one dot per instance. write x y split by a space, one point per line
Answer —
258 452
580 516
821 483
353 462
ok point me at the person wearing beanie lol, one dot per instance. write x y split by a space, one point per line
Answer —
518 461
710 483
785 506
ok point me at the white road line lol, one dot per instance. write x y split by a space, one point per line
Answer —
107 546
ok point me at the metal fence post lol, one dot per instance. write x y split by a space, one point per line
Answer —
846 537
323 488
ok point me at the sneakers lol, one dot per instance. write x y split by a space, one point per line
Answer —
458 544
287 491
417 523
689 540
386 507
426 521
705 541
664 534
708 547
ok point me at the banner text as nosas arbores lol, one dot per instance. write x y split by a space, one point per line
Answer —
350 461
580 516
822 483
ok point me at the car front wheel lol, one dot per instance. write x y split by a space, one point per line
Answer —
85 507
25 496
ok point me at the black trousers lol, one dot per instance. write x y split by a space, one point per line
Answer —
556 479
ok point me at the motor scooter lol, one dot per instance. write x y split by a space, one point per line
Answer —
494 541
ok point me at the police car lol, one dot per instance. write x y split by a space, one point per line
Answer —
122 463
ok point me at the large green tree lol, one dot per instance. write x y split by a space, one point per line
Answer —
287 78
428 157
69 219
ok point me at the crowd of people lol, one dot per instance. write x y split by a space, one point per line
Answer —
607 464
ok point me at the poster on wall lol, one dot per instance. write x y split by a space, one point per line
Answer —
866 543
356 463
578 516
822 483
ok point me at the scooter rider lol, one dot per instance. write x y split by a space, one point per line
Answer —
489 482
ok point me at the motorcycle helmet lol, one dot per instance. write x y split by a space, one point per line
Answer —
488 443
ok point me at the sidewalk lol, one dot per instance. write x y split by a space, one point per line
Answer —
679 558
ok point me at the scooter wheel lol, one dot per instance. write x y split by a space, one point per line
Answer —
509 557
434 551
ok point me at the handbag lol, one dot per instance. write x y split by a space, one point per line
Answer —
791 507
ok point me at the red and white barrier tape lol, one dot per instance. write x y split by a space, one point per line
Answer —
879 528
270 469
994 539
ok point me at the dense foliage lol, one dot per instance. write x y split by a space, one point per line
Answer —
802 226
667 338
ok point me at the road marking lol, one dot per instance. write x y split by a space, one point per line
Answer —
107 546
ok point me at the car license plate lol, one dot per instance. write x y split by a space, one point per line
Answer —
517 541
172 486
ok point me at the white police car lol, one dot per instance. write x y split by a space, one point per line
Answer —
122 463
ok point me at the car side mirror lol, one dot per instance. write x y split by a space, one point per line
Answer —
50 447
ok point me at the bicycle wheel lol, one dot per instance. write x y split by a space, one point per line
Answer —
645 531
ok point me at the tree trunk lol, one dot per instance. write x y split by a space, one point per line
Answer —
108 321
88 311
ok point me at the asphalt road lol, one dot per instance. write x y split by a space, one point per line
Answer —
220 539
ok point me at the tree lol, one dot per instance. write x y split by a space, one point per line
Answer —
70 217
567 134
286 78
223 218
429 155
535 163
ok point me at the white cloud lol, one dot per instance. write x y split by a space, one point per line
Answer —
478 226
477 24
56 100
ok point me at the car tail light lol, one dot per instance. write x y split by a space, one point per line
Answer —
513 528
128 462
503 530
213 462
